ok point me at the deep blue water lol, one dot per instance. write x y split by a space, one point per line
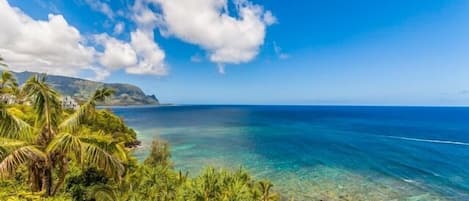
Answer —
321 152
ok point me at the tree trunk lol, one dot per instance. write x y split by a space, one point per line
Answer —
47 181
62 174
35 180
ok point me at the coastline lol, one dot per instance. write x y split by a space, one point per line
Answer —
338 154
136 106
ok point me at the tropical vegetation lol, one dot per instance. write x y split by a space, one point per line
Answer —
48 152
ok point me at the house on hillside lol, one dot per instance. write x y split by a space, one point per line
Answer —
69 103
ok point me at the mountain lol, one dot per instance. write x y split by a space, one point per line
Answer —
81 89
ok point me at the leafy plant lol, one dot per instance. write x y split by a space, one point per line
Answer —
52 142
43 147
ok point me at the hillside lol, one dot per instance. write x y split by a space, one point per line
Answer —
81 89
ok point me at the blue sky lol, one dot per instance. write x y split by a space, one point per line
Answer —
295 52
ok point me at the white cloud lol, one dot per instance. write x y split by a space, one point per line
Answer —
151 57
141 56
102 7
117 54
207 23
278 51
119 28
269 18
143 16
51 46
100 73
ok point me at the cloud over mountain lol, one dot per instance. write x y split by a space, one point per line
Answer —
54 46
42 45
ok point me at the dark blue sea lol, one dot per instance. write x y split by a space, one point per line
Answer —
321 152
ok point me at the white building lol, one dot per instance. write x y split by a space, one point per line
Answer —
69 103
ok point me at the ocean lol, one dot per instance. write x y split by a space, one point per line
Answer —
320 152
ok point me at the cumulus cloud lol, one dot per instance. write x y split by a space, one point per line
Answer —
269 18
119 28
51 46
144 17
100 73
102 7
141 56
208 24
150 56
117 54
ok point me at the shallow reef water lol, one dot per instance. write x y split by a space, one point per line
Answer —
321 152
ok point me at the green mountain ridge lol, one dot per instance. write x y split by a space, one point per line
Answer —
81 89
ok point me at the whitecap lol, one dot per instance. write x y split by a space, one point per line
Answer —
429 140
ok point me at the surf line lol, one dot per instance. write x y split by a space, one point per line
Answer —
427 140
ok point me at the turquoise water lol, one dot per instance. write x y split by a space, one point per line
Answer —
321 152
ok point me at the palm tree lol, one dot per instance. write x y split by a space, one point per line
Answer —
8 83
53 141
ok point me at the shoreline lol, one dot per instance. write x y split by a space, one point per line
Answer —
298 176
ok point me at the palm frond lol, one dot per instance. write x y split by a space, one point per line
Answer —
95 156
102 94
8 145
86 111
67 144
78 117
8 77
13 127
45 100
102 193
11 143
18 157
106 143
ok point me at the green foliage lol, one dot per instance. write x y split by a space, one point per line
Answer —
16 190
157 180
80 185
162 183
48 145
23 112
108 122
159 154
43 147
8 83
225 185
150 183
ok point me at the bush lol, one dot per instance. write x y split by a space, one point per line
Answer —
80 185
109 123
159 154
157 180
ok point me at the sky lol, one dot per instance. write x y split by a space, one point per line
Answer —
318 52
